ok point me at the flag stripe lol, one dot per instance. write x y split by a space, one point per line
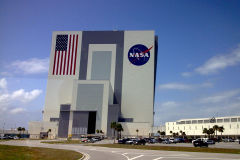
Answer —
69 48
72 54
65 54
75 55
57 61
61 62
54 62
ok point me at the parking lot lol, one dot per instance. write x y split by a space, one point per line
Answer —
103 153
216 145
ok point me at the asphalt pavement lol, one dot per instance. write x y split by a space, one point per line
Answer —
102 153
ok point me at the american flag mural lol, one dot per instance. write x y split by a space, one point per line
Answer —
65 55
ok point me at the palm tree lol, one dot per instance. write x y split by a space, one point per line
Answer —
113 127
205 131
215 128
221 129
181 132
23 130
210 131
171 132
19 130
49 130
119 129
159 132
137 132
162 133
97 131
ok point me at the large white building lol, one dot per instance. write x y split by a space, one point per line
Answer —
97 77
194 127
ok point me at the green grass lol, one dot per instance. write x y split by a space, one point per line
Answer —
34 153
172 148
64 142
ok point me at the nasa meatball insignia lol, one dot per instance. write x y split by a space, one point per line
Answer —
139 54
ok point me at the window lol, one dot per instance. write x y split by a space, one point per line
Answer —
200 121
125 119
188 122
101 65
196 127
54 119
182 122
194 121
226 120
230 126
233 119
219 120
238 119
206 121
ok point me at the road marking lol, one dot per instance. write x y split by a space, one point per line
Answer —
136 157
158 158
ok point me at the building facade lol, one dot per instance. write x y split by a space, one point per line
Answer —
98 77
194 127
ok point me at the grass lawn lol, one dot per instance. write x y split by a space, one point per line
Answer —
64 142
34 153
172 148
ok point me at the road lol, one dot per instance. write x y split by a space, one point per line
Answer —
102 153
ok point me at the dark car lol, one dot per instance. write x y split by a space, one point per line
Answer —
200 143
139 142
123 141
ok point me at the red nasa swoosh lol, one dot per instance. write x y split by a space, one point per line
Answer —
143 52
147 50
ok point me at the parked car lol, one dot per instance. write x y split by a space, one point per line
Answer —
139 142
92 140
166 141
84 139
180 140
200 143
227 140
210 141
122 141
2 137
152 140
130 141
172 140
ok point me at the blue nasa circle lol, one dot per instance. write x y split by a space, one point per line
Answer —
139 54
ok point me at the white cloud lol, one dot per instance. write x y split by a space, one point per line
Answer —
225 96
169 104
220 104
176 86
17 110
25 96
18 97
31 66
181 86
186 74
3 83
220 62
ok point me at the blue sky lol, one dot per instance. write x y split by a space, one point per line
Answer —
198 58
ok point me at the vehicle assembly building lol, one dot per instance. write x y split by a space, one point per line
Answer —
98 77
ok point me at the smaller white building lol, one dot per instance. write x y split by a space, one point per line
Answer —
194 127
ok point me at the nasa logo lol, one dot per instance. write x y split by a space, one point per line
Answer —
139 54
